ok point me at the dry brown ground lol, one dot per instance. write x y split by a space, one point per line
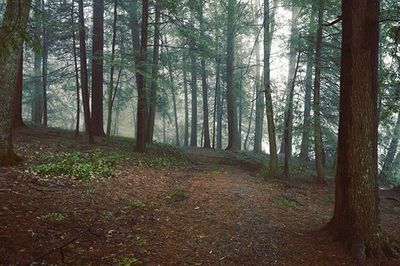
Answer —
220 214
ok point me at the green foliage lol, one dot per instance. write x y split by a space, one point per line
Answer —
284 202
80 165
137 203
177 195
159 154
128 261
54 216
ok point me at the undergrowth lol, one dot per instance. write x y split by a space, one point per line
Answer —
80 165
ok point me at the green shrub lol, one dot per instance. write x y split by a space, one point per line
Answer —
81 165
284 202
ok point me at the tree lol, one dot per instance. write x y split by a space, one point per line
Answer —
154 75
12 34
84 72
356 214
141 67
317 88
193 85
273 160
45 52
111 91
233 133
37 93
97 68
206 129
17 103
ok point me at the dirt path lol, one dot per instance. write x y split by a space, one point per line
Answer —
210 213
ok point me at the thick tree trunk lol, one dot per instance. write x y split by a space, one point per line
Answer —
305 139
268 26
97 68
84 72
233 133
141 69
154 75
356 214
12 34
17 120
317 87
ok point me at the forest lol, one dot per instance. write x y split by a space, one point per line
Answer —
200 132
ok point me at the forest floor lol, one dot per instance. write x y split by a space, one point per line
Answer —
212 211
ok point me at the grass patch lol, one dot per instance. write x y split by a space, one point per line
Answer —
137 203
54 216
283 202
128 261
80 165
177 195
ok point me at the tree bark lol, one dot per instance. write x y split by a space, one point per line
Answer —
154 75
259 121
193 133
356 214
45 52
305 139
273 161
84 72
37 94
17 120
12 34
185 87
141 69
97 68
206 129
78 105
233 133
110 93
317 87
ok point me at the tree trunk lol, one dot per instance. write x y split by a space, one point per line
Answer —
218 99
84 72
193 134
78 105
273 161
292 65
12 34
317 87
141 69
230 79
305 139
185 87
37 95
356 214
259 121
250 121
154 75
289 120
391 152
111 85
17 120
206 129
173 90
97 68
45 62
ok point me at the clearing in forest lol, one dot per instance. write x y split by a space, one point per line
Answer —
191 207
